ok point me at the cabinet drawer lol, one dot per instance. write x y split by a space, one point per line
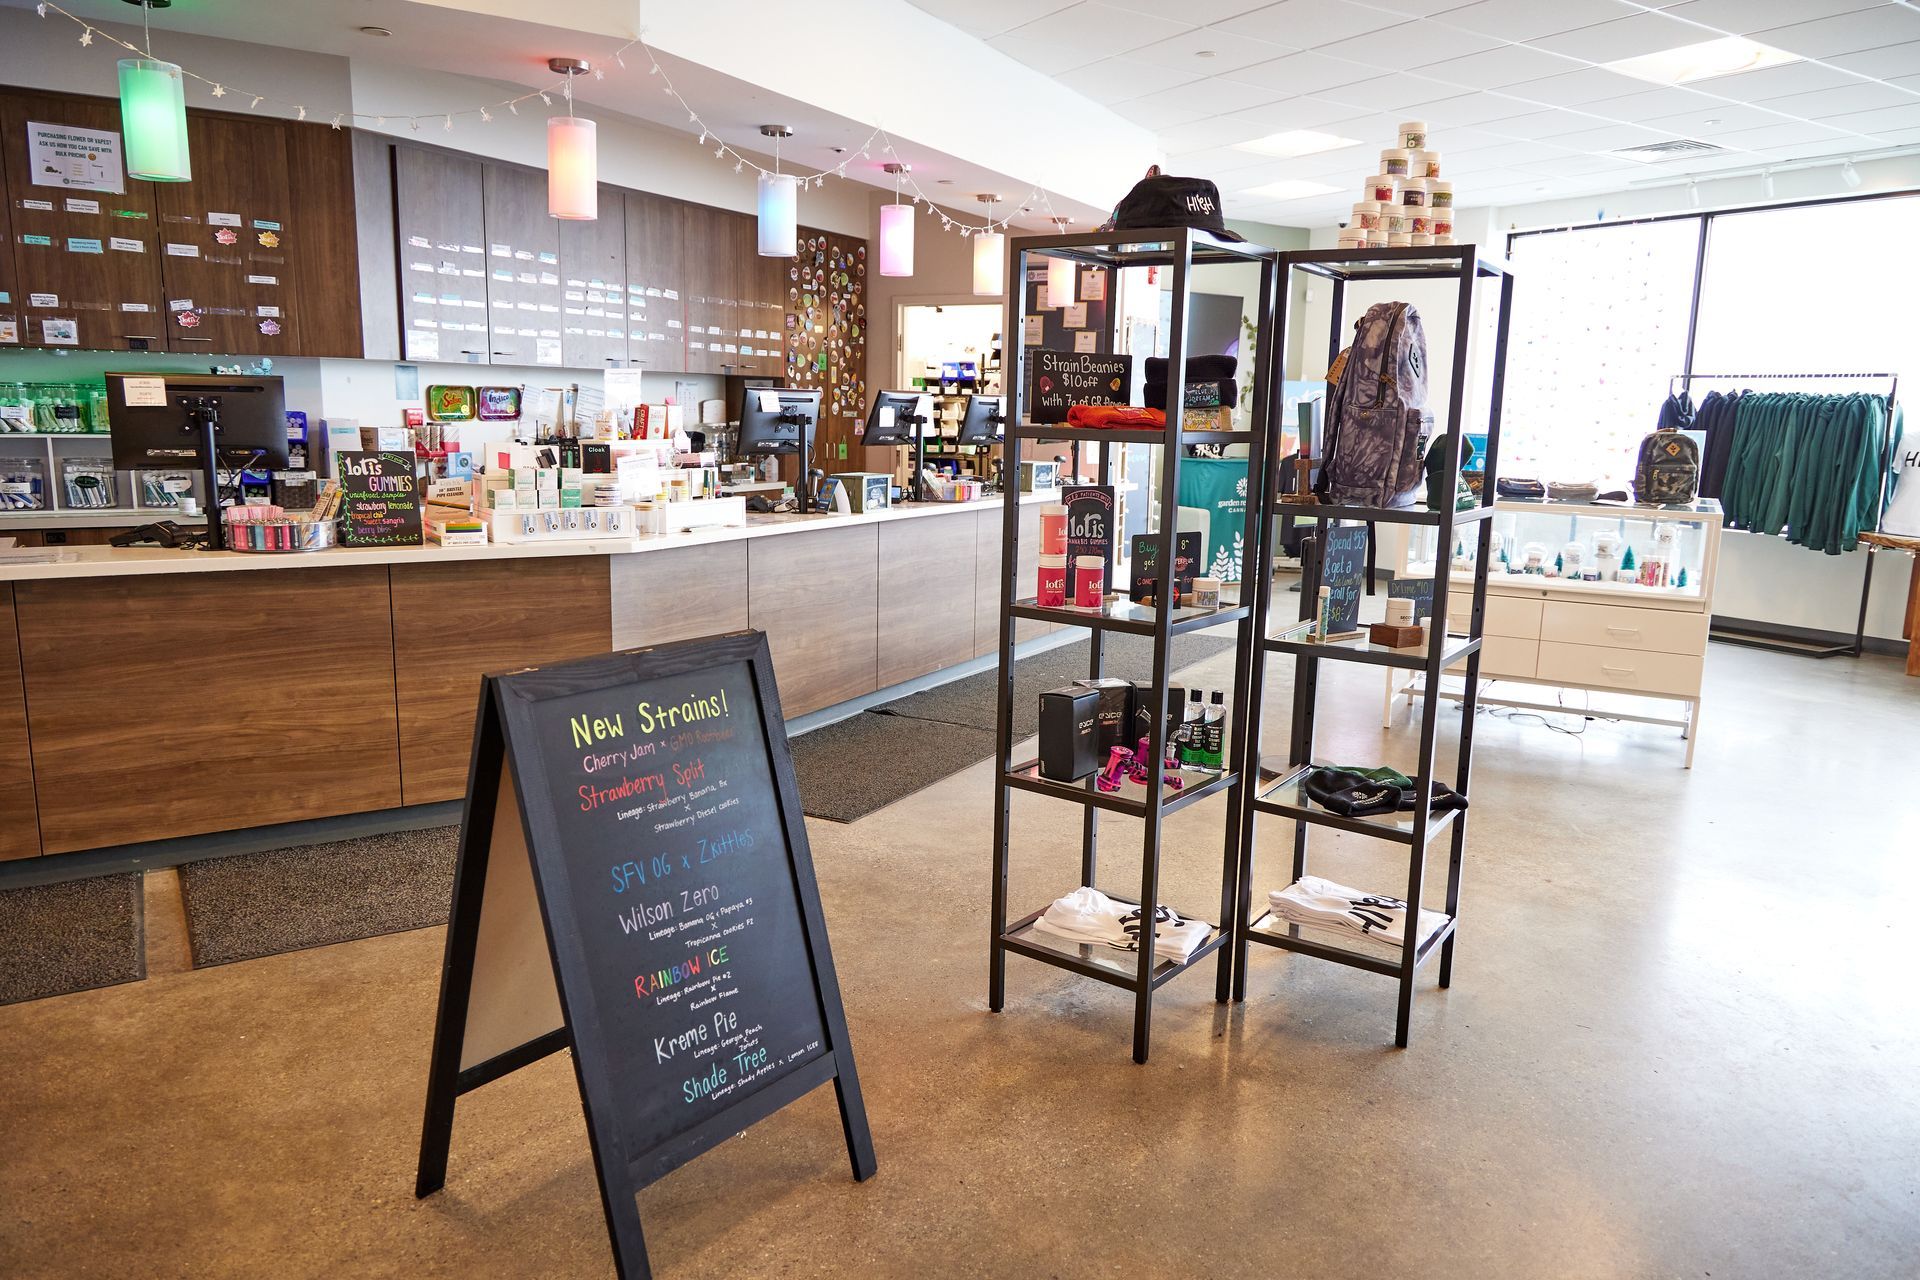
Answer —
1506 615
1624 627
1504 656
1675 674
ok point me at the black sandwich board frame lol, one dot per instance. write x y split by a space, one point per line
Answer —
498 774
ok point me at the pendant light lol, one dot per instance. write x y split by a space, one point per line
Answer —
153 113
573 155
779 205
1063 274
989 255
896 230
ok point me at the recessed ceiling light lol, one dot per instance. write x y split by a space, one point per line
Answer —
375 31
1290 189
1727 56
1296 142
1203 53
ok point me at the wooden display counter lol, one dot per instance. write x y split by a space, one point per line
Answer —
154 694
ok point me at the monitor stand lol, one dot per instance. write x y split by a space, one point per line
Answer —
916 483
203 421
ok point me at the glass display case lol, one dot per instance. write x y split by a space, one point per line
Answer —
1612 551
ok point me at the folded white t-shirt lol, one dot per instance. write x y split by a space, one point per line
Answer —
1090 916
1313 900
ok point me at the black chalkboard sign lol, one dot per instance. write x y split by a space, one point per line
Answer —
380 501
660 879
1342 568
1063 378
1418 590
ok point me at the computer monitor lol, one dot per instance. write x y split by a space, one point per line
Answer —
983 420
894 418
208 421
778 420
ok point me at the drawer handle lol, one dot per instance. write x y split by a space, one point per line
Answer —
1622 631
1617 671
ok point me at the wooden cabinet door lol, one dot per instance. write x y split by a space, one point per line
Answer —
441 240
85 263
707 234
593 265
656 283
768 303
523 267
226 239
12 304
324 268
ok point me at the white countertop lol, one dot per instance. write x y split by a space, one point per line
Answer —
31 564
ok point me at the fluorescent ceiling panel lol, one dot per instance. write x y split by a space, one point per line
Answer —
1297 142
1727 56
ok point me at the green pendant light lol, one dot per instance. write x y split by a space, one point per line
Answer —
153 114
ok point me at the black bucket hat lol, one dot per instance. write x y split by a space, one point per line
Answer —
1160 200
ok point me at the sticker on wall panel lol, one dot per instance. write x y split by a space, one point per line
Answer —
38 206
224 220
546 351
267 311
138 307
187 319
226 235
551 259
60 333
120 244
82 206
180 304
80 244
44 242
9 331
177 250
43 299
270 327
269 239
419 242
266 280
422 346
262 224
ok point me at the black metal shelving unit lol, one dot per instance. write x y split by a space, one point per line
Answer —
1280 791
1180 250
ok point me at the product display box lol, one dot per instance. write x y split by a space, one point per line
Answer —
1069 733
1115 711
1143 699
1039 477
866 490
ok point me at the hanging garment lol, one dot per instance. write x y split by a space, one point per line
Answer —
1677 413
1807 467
1716 419
1089 916
1311 900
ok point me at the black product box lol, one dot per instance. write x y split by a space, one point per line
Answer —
1143 708
596 458
1069 733
1116 712
1146 564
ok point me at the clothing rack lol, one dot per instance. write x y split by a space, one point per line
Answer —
1751 640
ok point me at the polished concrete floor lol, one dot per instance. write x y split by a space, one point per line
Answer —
1683 1040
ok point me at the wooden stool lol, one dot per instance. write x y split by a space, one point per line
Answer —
1910 627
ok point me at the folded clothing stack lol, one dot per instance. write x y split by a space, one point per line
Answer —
1209 382
1354 792
1311 900
1114 415
1090 916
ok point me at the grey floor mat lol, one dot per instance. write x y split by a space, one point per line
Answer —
866 762
261 904
60 938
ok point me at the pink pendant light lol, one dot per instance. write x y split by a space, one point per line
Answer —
573 155
896 231
989 255
1063 274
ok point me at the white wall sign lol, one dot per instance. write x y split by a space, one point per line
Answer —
61 155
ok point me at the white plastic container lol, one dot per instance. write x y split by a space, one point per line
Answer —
1393 161
1431 166
1352 238
1384 188
1413 134
1366 215
1395 221
1420 240
1377 239
1440 193
1400 242
1413 193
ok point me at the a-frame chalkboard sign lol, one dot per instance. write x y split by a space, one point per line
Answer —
653 909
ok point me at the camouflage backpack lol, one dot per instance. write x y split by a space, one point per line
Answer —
1372 455
1668 469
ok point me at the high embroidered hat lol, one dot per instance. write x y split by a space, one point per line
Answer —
1162 201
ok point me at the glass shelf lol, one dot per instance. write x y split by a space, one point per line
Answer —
1347 946
1120 614
1411 658
1131 798
1094 960
1287 797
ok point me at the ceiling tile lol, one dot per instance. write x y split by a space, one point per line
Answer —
1227 51
1744 17
1288 113
1709 122
1203 135
1522 20
1876 122
988 17
1507 153
1411 44
1623 38
1469 109
1415 8
1117 79
1583 166
1862 96
1649 104
1498 68
1212 161
1574 88
1778 82
1786 133
1883 63
1388 93
1303 73
1542 124
1187 11
1874 28
1609 138
1197 101
1083 33
1307 24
